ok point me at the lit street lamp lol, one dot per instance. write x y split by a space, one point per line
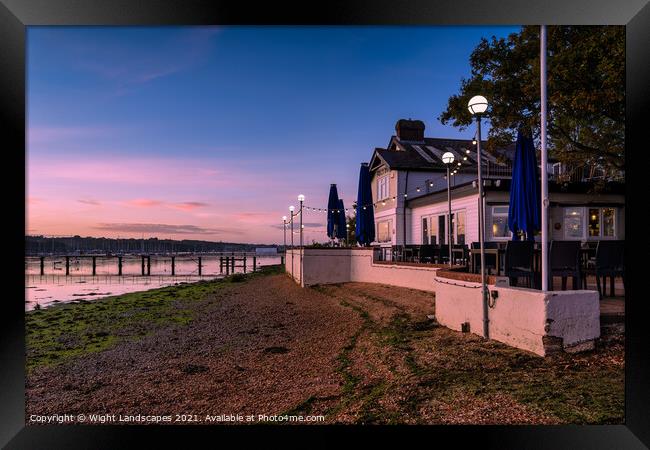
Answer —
301 199
291 210
477 105
284 223
448 159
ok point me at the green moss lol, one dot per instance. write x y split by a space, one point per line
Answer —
59 333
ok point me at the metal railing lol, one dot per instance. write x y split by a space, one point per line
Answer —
567 175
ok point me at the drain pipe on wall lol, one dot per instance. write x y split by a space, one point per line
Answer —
406 189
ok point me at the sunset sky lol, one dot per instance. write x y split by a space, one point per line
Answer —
212 132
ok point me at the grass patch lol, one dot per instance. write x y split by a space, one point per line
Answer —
59 333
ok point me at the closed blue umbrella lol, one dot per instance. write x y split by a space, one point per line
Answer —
341 230
525 203
332 206
364 230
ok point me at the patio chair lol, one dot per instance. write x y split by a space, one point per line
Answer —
490 260
564 261
519 261
428 253
464 256
610 262
412 252
443 254
398 253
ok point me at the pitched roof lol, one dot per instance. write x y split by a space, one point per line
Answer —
427 154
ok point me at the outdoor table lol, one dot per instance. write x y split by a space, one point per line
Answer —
411 254
586 254
457 251
384 252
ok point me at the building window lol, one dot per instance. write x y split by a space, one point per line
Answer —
609 222
384 230
594 222
460 227
433 231
500 229
573 228
442 228
383 191
425 231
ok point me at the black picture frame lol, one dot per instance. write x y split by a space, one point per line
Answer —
15 15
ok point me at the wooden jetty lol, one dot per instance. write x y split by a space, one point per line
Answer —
228 262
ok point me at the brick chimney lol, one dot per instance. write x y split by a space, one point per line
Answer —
410 130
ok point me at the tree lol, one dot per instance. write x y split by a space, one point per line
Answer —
585 88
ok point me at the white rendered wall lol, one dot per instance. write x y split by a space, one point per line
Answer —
520 317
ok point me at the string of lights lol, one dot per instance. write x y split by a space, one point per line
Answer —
383 202
412 191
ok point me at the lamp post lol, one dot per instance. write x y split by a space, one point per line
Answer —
284 225
301 199
477 105
291 210
544 158
448 159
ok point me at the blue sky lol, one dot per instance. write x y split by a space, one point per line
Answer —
127 125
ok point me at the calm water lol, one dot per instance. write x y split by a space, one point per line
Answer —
55 287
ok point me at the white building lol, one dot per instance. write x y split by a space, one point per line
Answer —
409 190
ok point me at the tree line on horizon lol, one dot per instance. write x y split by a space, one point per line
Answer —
37 245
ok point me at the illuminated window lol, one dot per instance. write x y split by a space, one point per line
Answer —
573 228
459 219
383 191
384 230
609 222
594 222
425 231
500 229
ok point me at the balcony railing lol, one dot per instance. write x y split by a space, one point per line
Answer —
570 175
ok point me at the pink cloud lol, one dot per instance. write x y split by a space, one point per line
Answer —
182 206
89 202
144 202
187 206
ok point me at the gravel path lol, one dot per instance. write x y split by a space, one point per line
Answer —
258 347
356 353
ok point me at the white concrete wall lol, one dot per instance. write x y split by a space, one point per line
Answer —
326 266
520 317
292 264
573 315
